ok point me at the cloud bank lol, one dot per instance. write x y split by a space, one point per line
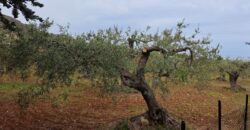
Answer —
226 20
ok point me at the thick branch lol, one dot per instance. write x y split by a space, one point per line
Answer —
131 42
143 60
174 51
146 53
129 79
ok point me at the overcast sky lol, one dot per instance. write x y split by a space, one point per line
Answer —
227 21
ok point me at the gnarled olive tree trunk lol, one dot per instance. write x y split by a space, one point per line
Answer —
1 70
233 77
156 114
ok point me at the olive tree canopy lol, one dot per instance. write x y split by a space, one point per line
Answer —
111 57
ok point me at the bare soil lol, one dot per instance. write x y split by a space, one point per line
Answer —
89 109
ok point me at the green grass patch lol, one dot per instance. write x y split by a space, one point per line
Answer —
215 94
13 86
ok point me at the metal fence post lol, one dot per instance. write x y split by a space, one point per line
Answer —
219 115
183 125
245 117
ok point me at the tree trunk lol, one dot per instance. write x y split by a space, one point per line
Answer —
233 77
156 114
131 43
1 70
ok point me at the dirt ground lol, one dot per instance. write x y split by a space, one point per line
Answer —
88 109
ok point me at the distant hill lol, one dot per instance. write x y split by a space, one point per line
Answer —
18 23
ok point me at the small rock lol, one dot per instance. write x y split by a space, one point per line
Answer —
144 121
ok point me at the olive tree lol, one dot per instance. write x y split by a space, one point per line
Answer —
23 50
170 43
9 23
7 39
3 50
108 56
234 68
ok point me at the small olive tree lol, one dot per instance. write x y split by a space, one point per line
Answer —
234 68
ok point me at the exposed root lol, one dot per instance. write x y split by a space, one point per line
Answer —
143 122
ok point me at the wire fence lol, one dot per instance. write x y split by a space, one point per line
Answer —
183 124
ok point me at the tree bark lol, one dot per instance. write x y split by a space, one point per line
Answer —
1 72
131 43
233 77
156 114
1 69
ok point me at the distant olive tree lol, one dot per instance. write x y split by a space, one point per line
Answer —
234 68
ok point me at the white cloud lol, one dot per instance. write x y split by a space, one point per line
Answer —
227 20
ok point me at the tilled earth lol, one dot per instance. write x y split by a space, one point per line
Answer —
87 108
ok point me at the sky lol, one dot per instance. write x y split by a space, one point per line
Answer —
226 21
